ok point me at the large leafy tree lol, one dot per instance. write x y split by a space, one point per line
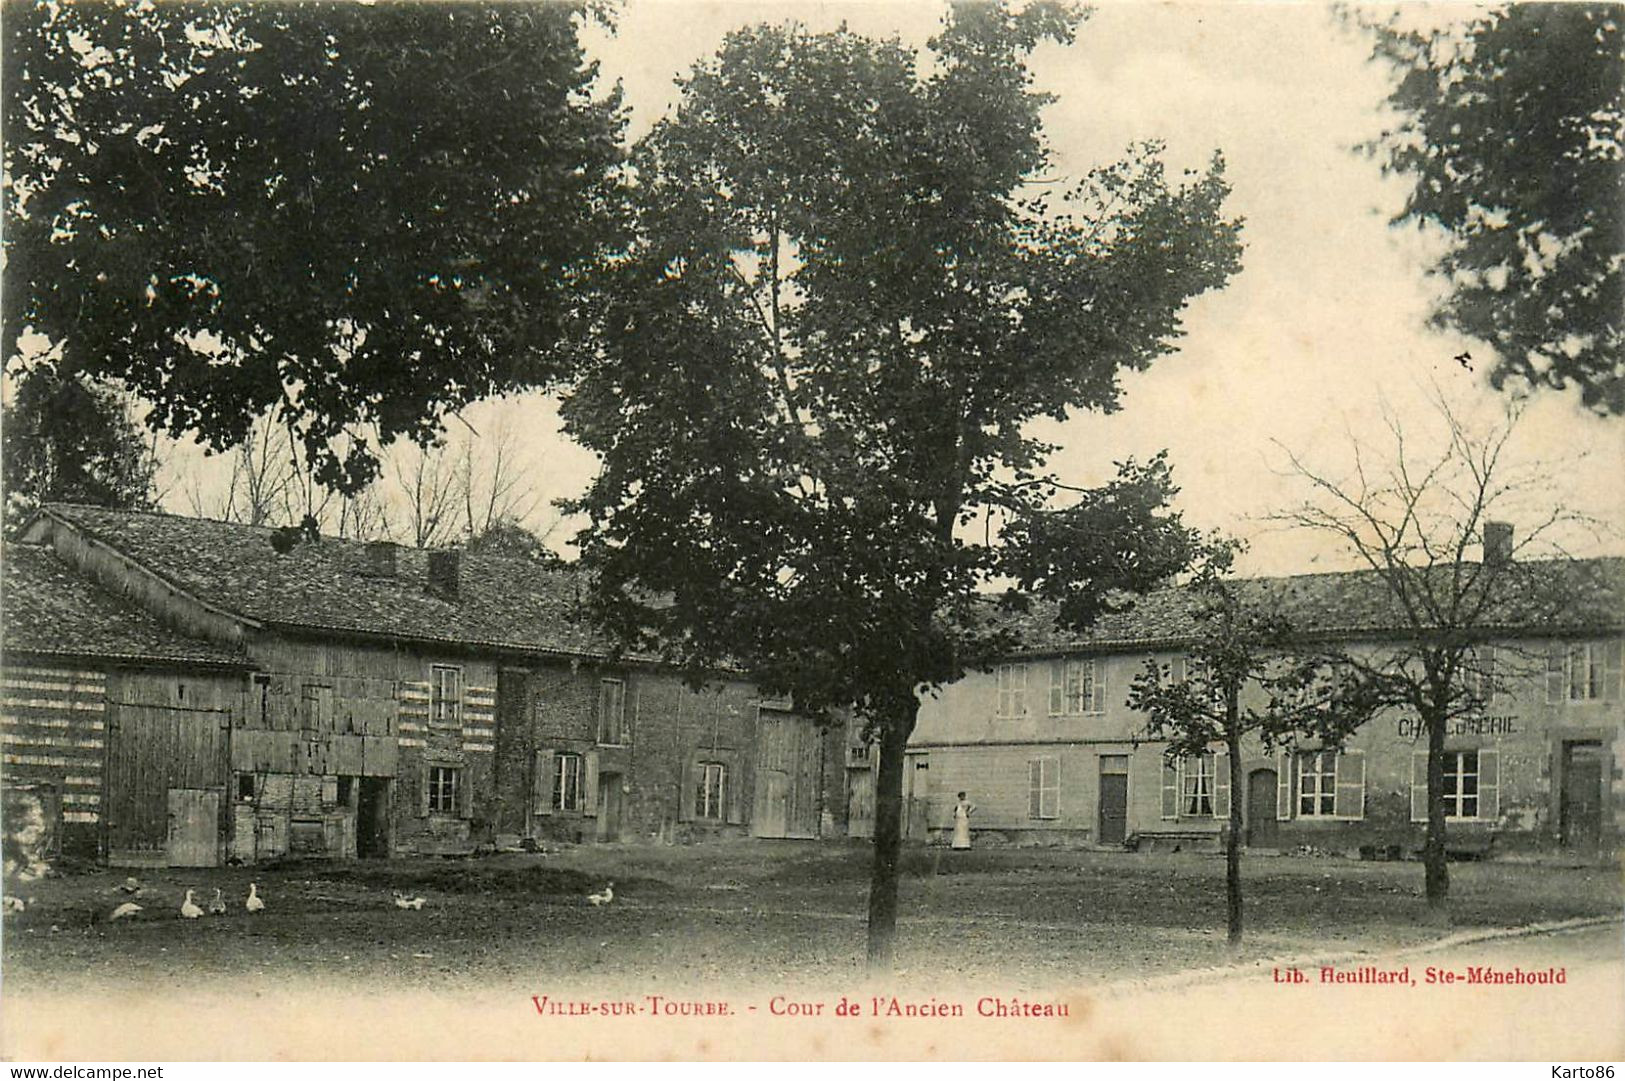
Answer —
1513 129
355 217
1247 675
816 366
65 440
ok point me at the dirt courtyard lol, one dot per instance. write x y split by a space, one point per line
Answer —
751 913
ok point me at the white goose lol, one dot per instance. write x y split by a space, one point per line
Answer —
254 903
125 911
189 909
403 901
217 907
596 899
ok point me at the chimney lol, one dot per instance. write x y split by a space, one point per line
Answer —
445 572
1497 544
382 559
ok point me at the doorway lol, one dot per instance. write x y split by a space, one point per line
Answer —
1580 814
194 828
372 818
1263 831
1113 811
609 807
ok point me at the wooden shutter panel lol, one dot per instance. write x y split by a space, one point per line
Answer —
1283 786
1057 688
1097 684
685 794
733 794
1221 785
1611 669
1170 790
589 783
1489 785
465 792
542 783
1348 797
1035 787
423 790
1419 786
1556 684
1052 788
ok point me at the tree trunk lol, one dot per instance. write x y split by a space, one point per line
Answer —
1437 872
1232 843
895 729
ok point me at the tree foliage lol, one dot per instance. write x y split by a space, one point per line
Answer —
817 362
71 441
356 217
1513 130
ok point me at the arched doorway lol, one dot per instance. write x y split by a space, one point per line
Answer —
1263 831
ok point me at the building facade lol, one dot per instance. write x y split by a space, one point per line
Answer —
1048 750
344 699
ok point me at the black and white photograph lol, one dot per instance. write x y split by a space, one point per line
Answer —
741 530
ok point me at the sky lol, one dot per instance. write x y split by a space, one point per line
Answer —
1322 331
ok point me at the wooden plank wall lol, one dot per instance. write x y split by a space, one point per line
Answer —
52 732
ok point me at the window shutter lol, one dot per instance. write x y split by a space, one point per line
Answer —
1097 685
1611 669
464 780
1035 787
1052 788
685 793
423 790
1348 799
1057 688
542 783
1489 785
1221 785
1283 786
589 783
1170 790
1555 683
731 796
1419 786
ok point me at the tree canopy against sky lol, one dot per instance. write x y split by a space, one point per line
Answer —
66 440
852 287
357 217
1514 133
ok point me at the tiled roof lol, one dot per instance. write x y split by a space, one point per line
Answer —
504 601
1351 604
514 603
49 609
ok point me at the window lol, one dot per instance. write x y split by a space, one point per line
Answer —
1196 786
446 694
316 706
1012 679
443 784
1460 784
262 689
711 791
1317 784
1470 789
611 710
1043 788
247 786
1075 687
1178 669
567 781
1583 671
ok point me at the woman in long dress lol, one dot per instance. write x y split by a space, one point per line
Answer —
962 812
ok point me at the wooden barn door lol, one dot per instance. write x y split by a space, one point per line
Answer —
166 775
788 758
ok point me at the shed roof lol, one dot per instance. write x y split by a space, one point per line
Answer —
48 609
329 584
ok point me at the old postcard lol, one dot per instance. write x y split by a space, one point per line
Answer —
684 530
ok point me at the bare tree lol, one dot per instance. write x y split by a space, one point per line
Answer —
427 482
259 488
1418 519
493 481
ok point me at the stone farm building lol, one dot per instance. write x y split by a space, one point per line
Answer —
1048 751
176 691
